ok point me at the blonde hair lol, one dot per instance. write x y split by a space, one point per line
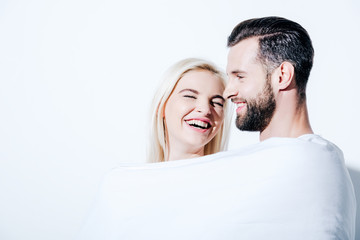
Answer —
157 144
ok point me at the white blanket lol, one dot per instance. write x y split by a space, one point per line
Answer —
281 188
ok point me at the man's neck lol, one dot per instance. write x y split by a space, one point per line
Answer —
290 120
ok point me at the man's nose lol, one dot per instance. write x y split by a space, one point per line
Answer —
230 90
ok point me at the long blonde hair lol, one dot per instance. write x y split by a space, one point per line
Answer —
157 143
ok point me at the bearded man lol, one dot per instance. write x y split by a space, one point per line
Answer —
306 192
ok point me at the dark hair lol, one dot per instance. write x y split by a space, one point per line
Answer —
279 40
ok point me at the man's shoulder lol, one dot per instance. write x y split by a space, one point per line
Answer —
320 141
308 147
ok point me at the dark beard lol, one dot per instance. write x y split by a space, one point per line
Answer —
259 111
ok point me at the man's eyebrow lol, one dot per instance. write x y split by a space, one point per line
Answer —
234 72
190 90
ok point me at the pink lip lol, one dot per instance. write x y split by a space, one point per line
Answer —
241 107
198 129
199 119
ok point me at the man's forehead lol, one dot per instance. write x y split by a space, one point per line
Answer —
243 53
248 47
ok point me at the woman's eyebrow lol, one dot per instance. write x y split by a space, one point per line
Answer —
190 90
219 96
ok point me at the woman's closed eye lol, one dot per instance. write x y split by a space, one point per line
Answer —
190 96
189 93
217 102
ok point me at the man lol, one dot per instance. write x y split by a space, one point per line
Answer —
293 185
268 67
269 64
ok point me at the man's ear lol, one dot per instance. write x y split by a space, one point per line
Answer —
286 75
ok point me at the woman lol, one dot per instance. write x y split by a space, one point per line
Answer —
187 121
188 112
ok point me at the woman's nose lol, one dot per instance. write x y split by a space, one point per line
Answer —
204 107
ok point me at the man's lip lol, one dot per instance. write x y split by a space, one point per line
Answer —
240 106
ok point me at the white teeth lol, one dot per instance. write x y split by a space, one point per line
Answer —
198 123
240 104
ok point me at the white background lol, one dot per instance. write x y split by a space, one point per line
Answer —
77 77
